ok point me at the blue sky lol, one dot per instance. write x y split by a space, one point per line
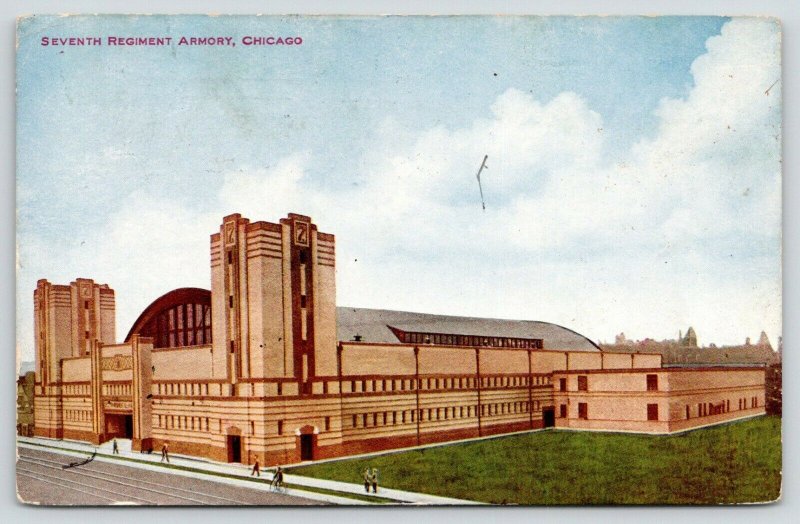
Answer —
633 182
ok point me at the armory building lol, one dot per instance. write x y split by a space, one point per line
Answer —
265 365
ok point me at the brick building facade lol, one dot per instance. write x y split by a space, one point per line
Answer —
265 365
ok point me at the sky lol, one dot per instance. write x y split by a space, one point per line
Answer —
633 181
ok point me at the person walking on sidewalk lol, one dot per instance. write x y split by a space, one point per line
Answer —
115 447
164 453
367 480
256 469
277 479
374 480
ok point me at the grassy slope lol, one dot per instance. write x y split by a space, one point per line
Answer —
740 462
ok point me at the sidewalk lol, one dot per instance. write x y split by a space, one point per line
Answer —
211 470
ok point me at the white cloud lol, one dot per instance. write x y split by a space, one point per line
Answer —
566 236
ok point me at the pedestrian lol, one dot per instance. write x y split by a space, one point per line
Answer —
374 480
277 479
367 479
164 453
256 469
115 446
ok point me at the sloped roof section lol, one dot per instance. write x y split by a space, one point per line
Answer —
372 326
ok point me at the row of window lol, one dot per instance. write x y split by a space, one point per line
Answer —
187 389
190 423
468 340
117 390
81 389
583 411
466 382
385 418
376 386
703 409
181 325
583 383
78 415
184 422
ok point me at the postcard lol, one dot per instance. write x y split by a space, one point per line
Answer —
417 260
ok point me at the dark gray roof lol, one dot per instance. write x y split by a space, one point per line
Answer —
372 324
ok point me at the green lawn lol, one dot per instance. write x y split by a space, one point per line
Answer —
739 462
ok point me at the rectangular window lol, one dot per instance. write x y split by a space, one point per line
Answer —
652 382
652 412
327 423
562 384
583 410
355 421
563 410
687 411
583 383
230 300
280 427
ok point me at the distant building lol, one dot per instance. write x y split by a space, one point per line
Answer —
684 351
264 365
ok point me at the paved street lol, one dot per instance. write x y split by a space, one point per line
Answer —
41 479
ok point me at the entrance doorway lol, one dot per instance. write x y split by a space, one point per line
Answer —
234 448
549 416
119 426
306 447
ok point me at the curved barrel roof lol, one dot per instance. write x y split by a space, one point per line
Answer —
373 326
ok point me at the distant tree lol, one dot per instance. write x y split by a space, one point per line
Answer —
774 389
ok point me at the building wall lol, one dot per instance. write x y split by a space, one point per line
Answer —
619 400
275 376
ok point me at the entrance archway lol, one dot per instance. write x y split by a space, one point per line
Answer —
307 442
118 425
234 444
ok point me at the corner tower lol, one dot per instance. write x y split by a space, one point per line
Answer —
273 300
66 321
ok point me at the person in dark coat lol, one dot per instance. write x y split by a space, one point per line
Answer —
115 447
277 479
374 480
165 453
256 469
367 480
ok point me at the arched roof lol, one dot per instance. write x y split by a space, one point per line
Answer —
373 325
176 297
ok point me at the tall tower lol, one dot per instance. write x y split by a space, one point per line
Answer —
67 321
273 300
